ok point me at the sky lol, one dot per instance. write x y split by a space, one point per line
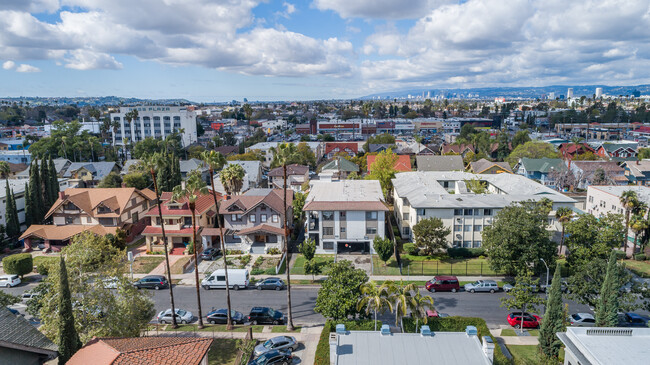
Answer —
220 50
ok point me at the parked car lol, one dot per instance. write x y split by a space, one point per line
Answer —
9 281
265 315
482 285
277 343
220 316
530 320
632 320
237 278
582 320
182 316
28 295
210 253
508 287
152 282
273 357
270 283
436 314
110 283
564 287
443 283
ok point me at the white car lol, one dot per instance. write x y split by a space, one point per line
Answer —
28 295
9 281
582 320
110 283
182 316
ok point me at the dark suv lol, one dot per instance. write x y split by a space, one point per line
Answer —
265 315
210 254
152 282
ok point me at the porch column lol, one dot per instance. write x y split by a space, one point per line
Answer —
47 244
204 240
27 242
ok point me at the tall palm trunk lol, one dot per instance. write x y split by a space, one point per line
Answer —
627 228
167 268
562 238
636 235
286 251
223 250
196 263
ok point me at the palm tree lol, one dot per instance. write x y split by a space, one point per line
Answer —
216 161
402 299
374 299
638 224
5 170
563 215
232 178
628 200
419 307
181 131
281 156
194 187
115 125
63 140
153 163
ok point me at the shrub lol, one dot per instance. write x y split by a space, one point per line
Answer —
620 255
244 260
43 264
462 252
640 257
270 271
273 251
323 347
234 252
411 249
257 272
258 262
18 264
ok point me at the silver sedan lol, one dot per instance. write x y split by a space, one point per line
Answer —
282 343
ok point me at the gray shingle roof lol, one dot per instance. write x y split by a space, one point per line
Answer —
99 169
440 163
542 165
342 164
15 329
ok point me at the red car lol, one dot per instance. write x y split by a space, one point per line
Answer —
530 320
443 283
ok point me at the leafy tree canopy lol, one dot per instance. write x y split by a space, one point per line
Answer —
532 149
340 292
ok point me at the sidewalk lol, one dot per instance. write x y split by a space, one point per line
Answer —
514 340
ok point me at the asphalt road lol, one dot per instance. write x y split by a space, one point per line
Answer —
483 305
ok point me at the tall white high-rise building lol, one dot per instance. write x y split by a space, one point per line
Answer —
599 92
569 93
155 121
551 95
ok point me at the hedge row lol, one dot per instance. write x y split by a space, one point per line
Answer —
453 252
18 264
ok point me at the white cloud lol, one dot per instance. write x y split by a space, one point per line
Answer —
8 65
27 68
379 9
86 60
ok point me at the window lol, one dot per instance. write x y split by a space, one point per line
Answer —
467 244
487 211
262 207
477 244
89 220
134 201
328 216
468 211
371 215
275 218
263 218
421 211
328 231
342 215
252 218
458 212
70 206
406 231
157 221
342 230
405 216
328 245
135 217
69 220
478 228
458 228
468 228
457 243
591 199
233 217
445 184
371 230
187 221
144 205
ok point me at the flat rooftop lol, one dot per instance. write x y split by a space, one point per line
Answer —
598 345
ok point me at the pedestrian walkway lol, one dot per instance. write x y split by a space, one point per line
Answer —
514 340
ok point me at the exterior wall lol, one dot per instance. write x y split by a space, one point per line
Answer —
354 225
257 213
13 356
293 181
146 125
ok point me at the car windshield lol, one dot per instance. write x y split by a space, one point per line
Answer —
271 312
576 317
477 283
262 359
268 344
181 312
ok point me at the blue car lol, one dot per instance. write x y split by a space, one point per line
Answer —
632 320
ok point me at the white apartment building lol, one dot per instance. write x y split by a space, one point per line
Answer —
444 194
265 148
345 216
607 199
155 121
605 345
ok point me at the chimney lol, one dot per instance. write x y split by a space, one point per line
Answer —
488 348
62 195
334 349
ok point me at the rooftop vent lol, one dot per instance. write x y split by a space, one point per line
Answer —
609 332
385 330
425 331
471 331
340 329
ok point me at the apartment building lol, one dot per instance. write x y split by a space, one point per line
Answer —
345 216
101 211
254 221
296 176
422 195
155 121
265 150
177 217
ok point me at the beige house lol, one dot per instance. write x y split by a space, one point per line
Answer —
296 176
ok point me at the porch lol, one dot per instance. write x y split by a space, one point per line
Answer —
177 240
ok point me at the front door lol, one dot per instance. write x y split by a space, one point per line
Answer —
260 238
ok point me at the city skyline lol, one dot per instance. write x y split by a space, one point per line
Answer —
209 51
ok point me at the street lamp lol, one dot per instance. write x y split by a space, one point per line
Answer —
546 288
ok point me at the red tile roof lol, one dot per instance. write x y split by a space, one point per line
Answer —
330 146
203 203
402 164
143 351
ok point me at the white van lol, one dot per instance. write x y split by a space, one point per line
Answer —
237 278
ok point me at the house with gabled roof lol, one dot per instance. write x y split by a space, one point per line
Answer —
484 166
611 150
337 169
99 210
21 342
254 221
540 169
89 174
349 148
637 172
402 164
296 176
177 218
458 149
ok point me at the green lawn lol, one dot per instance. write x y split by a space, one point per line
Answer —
281 329
422 265
641 268
144 264
223 351
511 332
321 260
215 328
527 354
177 267
135 244
47 260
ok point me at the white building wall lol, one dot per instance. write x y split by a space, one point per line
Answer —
147 123
356 221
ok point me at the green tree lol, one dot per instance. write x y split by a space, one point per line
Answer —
520 138
7 299
374 299
193 189
307 248
312 268
383 169
298 203
384 248
13 225
112 180
401 295
420 305
68 338
36 194
232 178
518 238
554 320
532 149
608 305
523 296
138 180
29 207
629 200
53 184
340 292
477 186
18 264
5 170
431 235
563 215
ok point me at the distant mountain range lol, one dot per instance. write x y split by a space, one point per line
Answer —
92 100
511 92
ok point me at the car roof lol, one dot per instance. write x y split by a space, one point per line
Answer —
272 278
154 277
445 277
585 315
259 309
634 315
